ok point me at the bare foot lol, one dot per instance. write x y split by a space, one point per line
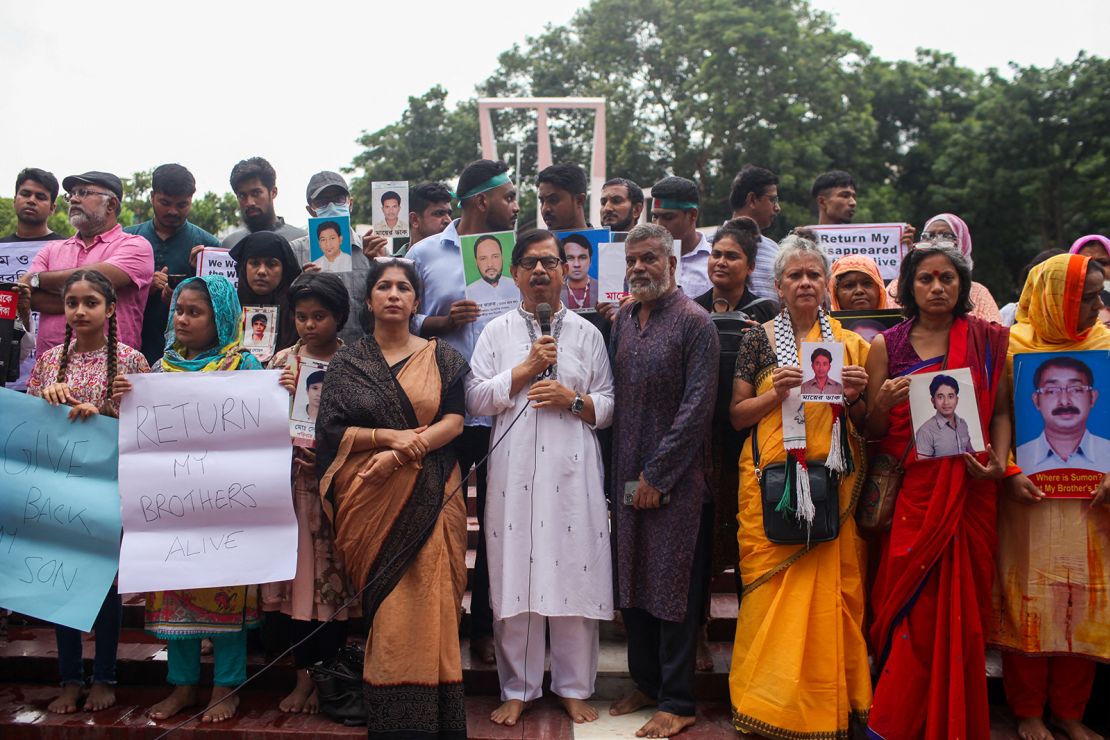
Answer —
578 710
101 696
1033 728
634 701
509 712
704 659
482 649
222 707
297 701
664 724
1076 730
182 697
66 703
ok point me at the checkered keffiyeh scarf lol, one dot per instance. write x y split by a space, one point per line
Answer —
794 422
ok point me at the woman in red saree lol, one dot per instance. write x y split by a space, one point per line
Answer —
931 600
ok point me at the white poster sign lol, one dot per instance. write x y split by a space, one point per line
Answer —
880 242
217 261
204 485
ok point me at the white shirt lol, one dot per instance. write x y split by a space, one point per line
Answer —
546 519
494 299
763 276
1037 456
693 269
342 263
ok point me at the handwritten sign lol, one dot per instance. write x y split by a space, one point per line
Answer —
217 261
880 242
59 511
204 481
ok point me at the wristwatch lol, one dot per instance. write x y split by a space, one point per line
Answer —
35 281
577 404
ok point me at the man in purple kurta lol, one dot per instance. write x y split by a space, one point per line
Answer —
665 355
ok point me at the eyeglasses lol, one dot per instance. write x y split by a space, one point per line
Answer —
772 198
82 193
549 263
1055 391
339 199
938 236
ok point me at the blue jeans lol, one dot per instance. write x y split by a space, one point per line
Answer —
107 626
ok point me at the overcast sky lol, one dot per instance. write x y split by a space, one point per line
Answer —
126 85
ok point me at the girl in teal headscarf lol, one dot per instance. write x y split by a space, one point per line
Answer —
205 329
204 334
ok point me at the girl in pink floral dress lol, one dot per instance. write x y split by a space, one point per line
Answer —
78 373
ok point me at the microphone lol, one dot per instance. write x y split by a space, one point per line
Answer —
543 315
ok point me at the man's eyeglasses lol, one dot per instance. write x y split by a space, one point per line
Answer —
549 263
82 193
1056 391
938 236
339 199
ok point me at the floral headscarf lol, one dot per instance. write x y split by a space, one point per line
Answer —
228 352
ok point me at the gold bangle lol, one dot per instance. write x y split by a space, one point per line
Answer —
373 438
397 458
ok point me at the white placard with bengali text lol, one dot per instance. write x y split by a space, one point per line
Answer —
204 483
880 242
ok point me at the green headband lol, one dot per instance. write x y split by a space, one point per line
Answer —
673 205
494 182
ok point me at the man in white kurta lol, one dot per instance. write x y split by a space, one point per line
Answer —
546 519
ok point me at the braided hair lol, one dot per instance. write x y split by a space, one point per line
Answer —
103 286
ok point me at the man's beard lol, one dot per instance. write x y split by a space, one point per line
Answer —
257 223
652 291
625 225
86 222
31 220
491 279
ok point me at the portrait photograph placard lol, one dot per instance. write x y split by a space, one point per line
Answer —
260 330
580 291
822 372
389 208
329 243
945 414
486 259
1063 432
305 403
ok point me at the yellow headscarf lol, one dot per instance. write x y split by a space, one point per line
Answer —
856 263
1048 309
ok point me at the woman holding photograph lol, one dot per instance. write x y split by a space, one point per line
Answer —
1052 554
266 267
391 406
931 597
319 304
799 662
950 229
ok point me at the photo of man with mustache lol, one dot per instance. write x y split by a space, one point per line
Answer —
1065 396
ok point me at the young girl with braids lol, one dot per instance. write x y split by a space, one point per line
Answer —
204 333
77 373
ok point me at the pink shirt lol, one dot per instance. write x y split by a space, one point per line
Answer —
128 252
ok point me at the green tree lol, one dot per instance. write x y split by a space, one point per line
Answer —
1029 167
215 213
428 143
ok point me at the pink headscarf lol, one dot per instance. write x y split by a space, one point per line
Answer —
1089 239
959 228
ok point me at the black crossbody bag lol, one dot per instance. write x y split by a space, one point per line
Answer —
784 527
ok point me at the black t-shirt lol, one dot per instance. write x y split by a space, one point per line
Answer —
48 238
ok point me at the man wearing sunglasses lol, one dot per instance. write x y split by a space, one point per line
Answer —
100 244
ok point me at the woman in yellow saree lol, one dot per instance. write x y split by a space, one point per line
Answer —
799 661
1052 591
391 404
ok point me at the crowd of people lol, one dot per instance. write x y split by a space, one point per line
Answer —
622 457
